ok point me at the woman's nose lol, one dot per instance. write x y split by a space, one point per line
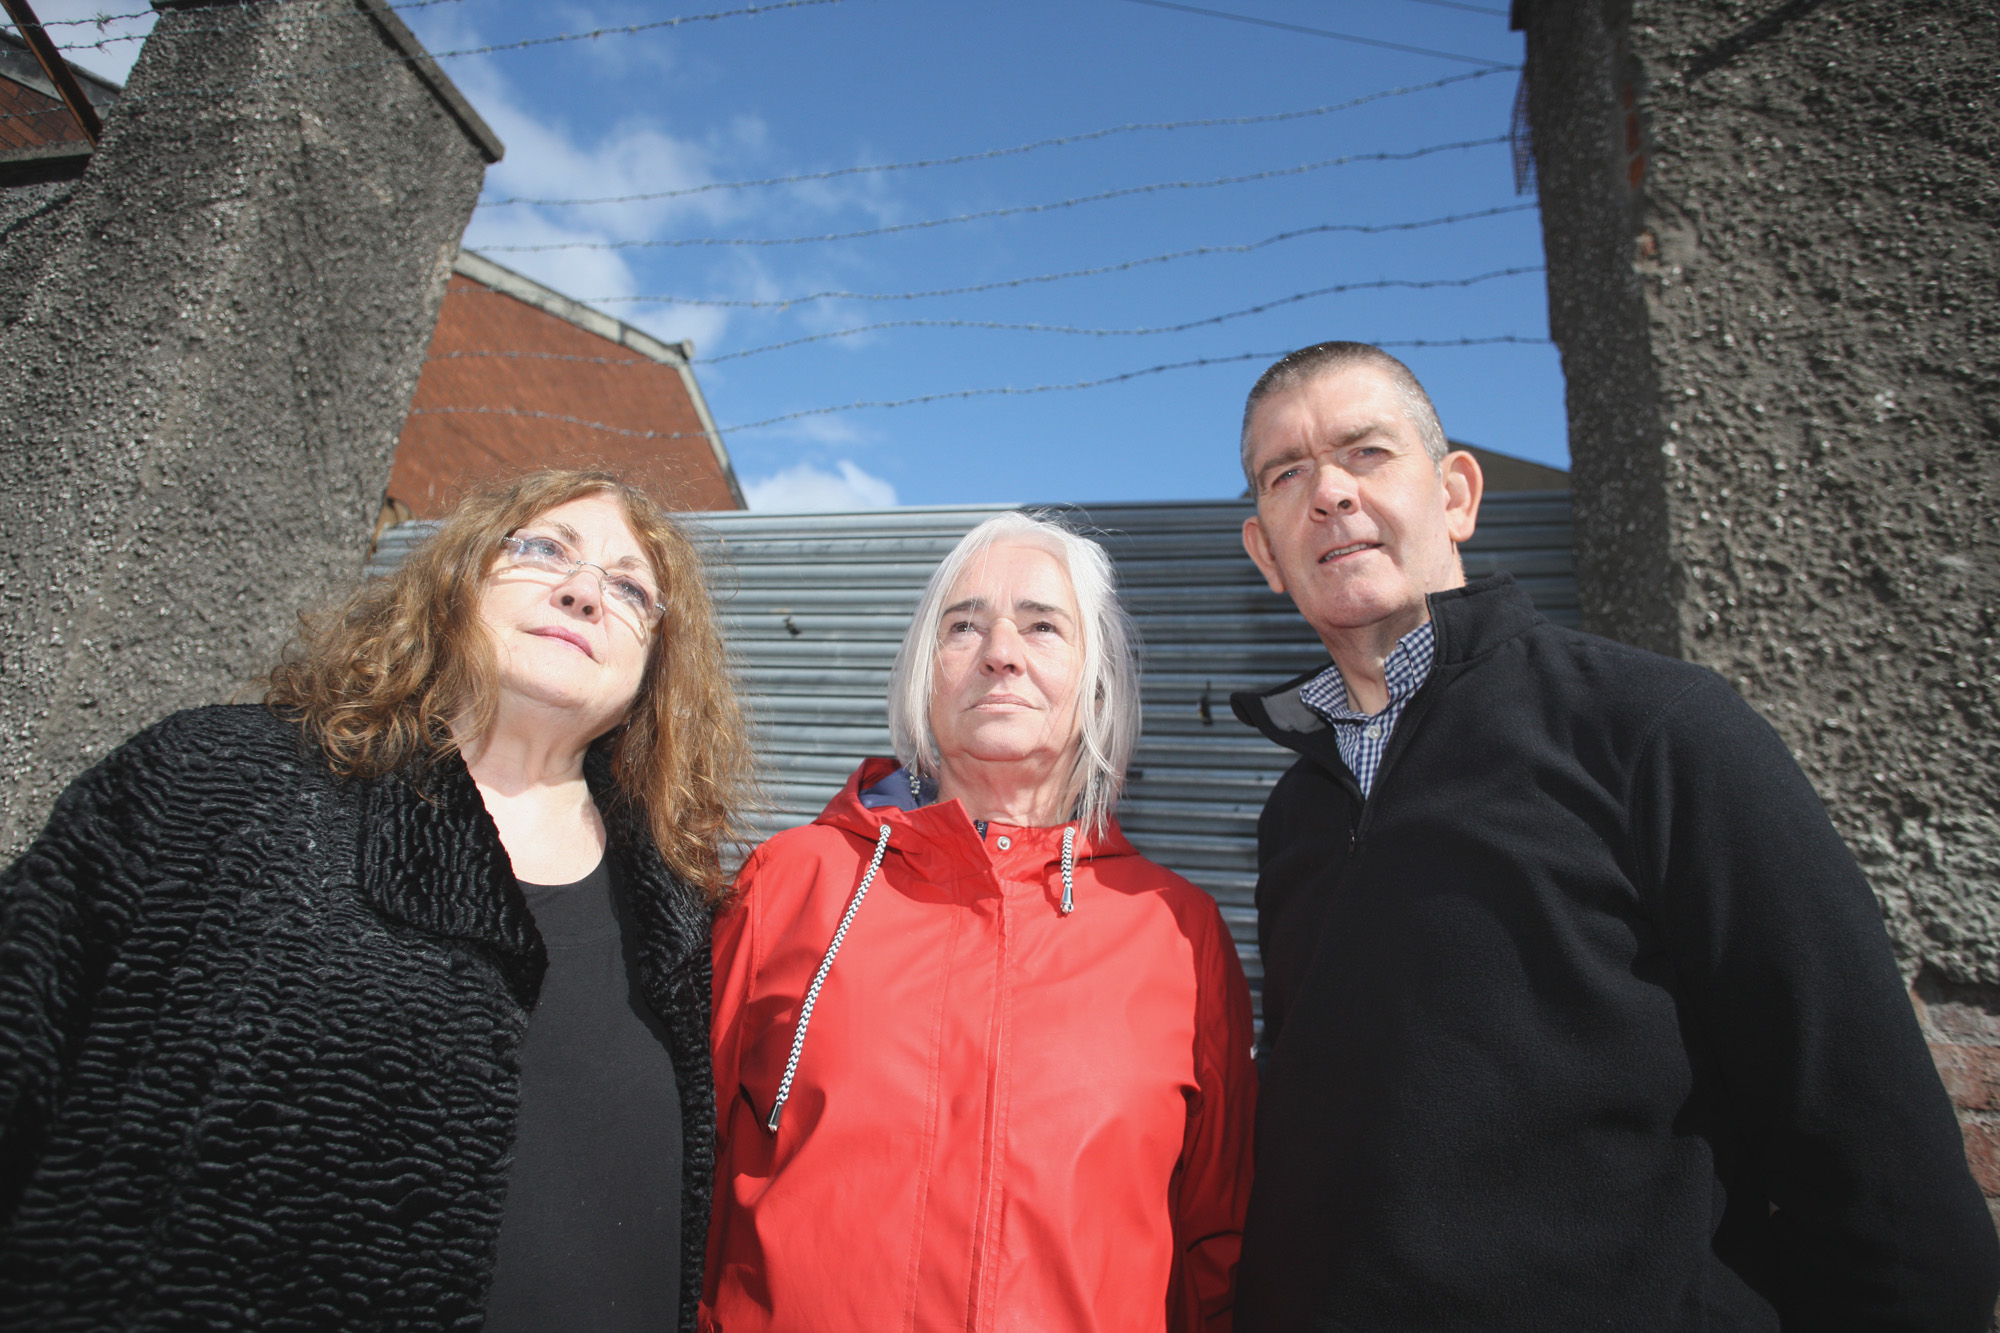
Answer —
585 598
1003 646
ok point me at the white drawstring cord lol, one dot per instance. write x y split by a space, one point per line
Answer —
819 979
1069 870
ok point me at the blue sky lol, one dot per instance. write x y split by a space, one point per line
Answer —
827 86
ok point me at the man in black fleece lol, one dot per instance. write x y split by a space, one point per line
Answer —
1577 1012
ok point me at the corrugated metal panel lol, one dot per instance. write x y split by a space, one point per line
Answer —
814 606
397 542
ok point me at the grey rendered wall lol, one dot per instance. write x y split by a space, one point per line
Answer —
1774 272
207 346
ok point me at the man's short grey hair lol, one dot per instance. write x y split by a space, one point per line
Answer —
1309 363
1107 696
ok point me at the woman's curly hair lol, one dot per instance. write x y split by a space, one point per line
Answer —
379 680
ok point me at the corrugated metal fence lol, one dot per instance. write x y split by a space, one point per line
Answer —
814 606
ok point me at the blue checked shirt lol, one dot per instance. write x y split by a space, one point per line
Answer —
1362 738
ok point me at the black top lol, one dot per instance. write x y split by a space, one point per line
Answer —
1585 1018
260 1038
590 1238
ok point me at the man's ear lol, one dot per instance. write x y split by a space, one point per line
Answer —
1464 484
1259 550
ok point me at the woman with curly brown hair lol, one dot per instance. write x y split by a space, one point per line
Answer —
385 1003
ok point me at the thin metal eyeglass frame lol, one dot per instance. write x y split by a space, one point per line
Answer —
648 620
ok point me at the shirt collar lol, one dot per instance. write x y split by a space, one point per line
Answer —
1402 672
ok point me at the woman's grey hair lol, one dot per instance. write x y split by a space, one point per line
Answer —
1107 698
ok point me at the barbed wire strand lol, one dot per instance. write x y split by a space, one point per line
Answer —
769 6
1470 9
480 353
1323 32
331 15
99 20
1505 338
1319 229
807 177
144 99
1012 210
1207 322
1380 284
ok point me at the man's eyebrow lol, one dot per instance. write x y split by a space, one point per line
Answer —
1364 430
1291 454
1042 609
966 604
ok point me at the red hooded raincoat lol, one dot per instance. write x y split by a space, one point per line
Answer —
1002 1118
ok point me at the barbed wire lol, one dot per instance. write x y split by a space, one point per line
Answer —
1059 141
532 415
99 20
331 15
1379 284
989 392
134 99
1318 229
1185 326
544 356
1323 32
1012 210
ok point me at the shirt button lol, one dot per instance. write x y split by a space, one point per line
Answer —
1374 733
1004 841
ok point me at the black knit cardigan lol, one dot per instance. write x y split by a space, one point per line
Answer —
260 1035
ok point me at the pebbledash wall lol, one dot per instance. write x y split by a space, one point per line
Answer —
208 342
1773 235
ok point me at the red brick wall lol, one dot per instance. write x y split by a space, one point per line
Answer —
1962 1024
567 373
29 119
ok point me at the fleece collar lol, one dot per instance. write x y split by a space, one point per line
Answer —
431 858
1471 621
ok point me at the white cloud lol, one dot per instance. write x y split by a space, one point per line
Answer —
804 488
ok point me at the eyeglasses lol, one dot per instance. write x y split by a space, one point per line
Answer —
546 555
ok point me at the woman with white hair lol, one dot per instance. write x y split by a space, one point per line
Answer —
978 1063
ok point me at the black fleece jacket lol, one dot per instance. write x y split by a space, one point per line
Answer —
260 1034
1585 1018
